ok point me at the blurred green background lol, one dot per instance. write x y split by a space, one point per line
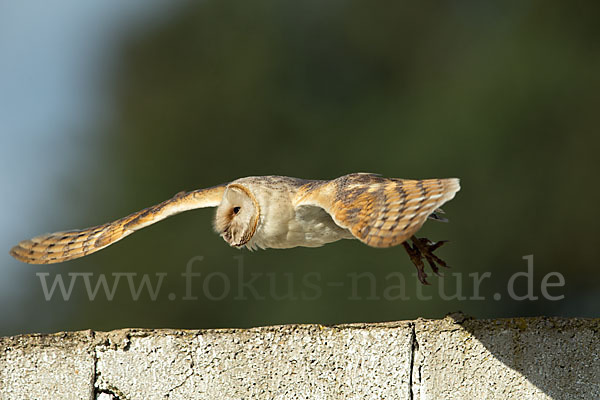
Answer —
503 96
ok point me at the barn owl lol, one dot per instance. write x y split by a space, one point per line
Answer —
281 212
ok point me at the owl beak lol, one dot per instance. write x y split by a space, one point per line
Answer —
228 237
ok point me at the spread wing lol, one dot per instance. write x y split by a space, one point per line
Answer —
378 211
63 246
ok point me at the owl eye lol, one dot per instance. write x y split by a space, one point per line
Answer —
236 210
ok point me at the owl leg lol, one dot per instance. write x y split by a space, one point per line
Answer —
417 258
424 247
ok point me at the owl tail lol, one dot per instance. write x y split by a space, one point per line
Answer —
437 217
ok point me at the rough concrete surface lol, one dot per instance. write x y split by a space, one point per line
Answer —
521 358
47 366
453 358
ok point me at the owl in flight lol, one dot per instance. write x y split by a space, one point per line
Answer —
280 212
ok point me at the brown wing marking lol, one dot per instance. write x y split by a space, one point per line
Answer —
380 212
63 246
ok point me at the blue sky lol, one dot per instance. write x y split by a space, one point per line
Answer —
54 59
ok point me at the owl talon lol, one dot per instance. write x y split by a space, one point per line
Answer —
436 245
417 258
424 248
434 267
433 260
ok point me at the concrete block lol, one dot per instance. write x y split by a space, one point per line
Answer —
284 362
520 358
453 358
58 366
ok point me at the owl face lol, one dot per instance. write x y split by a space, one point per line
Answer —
237 216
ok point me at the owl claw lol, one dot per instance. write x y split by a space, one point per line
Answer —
424 248
417 258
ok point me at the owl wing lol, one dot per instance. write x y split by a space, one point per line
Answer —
63 246
380 212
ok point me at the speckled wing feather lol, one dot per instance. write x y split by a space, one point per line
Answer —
63 246
381 212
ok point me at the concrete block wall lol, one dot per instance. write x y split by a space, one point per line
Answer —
452 358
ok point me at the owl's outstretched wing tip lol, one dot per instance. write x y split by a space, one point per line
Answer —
64 246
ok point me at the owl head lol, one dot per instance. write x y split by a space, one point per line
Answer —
237 216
